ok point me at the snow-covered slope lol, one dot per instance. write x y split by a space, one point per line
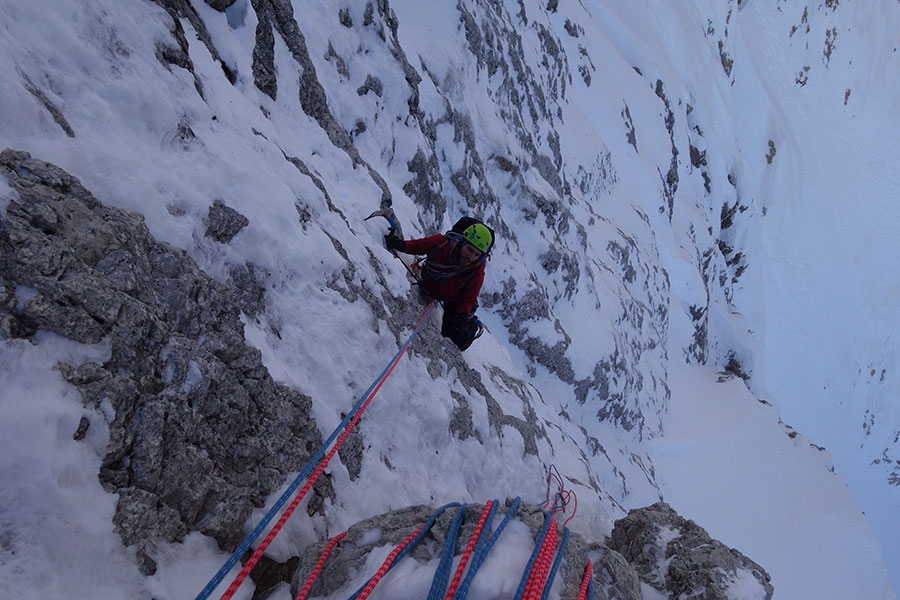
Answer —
651 171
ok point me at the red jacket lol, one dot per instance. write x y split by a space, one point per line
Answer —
460 289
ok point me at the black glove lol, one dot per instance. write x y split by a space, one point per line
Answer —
394 242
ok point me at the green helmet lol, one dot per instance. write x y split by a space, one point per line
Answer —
479 236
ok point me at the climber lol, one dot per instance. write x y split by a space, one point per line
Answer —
453 272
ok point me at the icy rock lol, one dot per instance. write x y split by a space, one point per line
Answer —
199 433
675 555
224 222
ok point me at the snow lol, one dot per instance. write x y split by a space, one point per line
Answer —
817 323
728 476
56 521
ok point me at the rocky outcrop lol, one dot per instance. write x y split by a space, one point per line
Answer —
677 556
199 433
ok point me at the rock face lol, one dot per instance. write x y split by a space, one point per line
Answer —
677 556
199 433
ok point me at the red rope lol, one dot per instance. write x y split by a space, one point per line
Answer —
470 547
571 496
318 568
534 588
586 582
387 565
257 554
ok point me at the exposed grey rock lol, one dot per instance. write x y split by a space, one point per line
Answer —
351 452
677 556
278 16
461 424
199 434
425 185
224 222
249 289
615 579
54 110
372 84
350 556
179 55
264 75
670 180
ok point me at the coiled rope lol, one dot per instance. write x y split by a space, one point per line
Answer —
345 426
537 580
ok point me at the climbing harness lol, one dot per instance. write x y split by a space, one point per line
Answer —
343 429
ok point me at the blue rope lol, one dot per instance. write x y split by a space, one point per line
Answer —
411 544
534 554
245 545
556 562
481 552
485 536
442 575
479 544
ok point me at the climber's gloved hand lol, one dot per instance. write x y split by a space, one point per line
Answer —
394 242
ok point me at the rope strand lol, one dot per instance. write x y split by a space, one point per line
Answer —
556 562
470 547
304 591
398 553
587 583
526 584
481 551
386 565
442 574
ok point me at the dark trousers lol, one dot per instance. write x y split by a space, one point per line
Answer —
461 328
